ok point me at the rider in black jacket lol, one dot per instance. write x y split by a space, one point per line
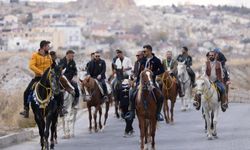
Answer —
185 57
154 64
68 66
97 69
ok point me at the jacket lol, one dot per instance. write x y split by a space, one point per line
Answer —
218 70
187 59
39 63
96 68
70 68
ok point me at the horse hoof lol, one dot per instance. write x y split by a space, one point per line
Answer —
183 109
209 138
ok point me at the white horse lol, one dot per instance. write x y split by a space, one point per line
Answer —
69 118
207 93
185 82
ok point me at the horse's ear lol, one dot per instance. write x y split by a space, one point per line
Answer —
80 80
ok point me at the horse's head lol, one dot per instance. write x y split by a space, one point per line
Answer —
67 85
55 74
146 79
181 69
87 85
202 84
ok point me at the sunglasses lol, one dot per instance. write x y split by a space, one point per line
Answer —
210 55
137 55
97 56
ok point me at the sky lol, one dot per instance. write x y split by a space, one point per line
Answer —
245 3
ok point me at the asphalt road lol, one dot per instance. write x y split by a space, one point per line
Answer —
187 133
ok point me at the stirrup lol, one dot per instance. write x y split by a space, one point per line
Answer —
160 117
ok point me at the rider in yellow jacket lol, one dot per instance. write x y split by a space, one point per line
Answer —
39 62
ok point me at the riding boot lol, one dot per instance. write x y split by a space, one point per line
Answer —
105 92
25 113
131 114
224 103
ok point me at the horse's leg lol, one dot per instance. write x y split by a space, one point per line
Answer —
53 131
90 118
117 108
95 117
106 112
209 132
40 123
100 117
172 110
142 131
146 128
216 113
203 116
153 129
166 110
47 127
73 122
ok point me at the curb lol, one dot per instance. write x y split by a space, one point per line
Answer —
16 138
27 134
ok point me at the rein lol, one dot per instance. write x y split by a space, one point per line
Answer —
44 102
165 85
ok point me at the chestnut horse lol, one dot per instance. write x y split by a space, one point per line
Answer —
92 94
169 91
146 107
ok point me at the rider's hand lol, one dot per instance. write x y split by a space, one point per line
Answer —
99 77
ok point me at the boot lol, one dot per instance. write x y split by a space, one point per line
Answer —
158 111
25 113
224 103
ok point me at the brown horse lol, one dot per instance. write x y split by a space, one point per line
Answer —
93 96
169 90
146 108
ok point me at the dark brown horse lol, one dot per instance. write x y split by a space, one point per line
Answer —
93 96
169 91
146 108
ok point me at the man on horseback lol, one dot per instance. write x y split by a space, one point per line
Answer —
97 69
214 72
172 65
222 59
154 64
185 57
39 62
68 66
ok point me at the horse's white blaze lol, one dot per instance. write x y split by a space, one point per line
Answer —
149 77
70 85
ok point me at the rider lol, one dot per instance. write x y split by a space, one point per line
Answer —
39 62
96 70
214 72
139 57
185 57
68 66
170 63
154 64
92 57
221 58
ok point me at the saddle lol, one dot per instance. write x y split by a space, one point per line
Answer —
218 90
101 89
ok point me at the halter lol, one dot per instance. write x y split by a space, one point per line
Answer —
205 91
165 85
44 102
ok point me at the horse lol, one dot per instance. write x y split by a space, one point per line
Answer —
67 87
169 91
207 97
68 119
93 95
185 82
116 86
145 104
42 102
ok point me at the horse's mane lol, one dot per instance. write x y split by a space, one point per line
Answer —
45 74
